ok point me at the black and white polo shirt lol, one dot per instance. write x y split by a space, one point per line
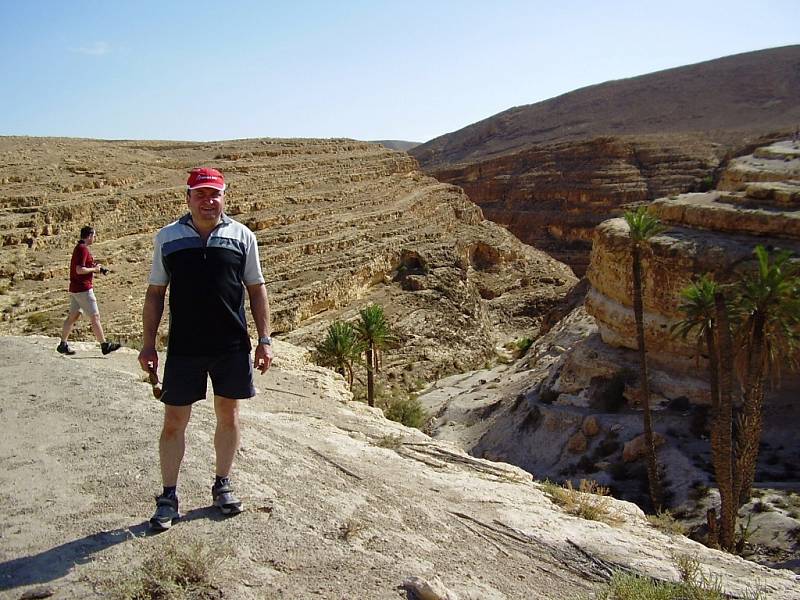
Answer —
206 285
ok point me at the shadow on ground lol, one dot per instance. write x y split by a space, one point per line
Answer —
56 562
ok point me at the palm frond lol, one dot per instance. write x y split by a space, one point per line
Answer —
642 224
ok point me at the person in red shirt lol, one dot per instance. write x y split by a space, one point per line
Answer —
81 295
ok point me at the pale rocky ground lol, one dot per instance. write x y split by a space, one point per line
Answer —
330 513
503 414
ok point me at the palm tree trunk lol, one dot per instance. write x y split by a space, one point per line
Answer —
720 364
750 420
350 376
638 312
370 354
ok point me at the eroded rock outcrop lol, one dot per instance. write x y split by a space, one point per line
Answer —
714 232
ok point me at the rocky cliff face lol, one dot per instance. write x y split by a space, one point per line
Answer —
339 224
569 408
551 171
707 233
552 196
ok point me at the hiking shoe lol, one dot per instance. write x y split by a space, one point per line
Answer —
166 513
224 499
109 347
63 348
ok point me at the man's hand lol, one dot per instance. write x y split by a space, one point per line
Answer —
263 358
148 359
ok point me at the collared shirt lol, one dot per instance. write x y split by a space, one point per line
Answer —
206 285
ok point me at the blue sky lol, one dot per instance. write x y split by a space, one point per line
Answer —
407 70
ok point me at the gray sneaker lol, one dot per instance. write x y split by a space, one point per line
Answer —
166 513
224 499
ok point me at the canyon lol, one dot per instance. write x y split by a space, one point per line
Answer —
553 170
339 223
570 407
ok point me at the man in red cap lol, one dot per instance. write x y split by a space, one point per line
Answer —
208 260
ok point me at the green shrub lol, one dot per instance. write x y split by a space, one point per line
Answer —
707 183
523 345
624 586
407 411
694 585
519 347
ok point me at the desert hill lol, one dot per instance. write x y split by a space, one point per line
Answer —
753 91
341 503
339 223
551 171
396 144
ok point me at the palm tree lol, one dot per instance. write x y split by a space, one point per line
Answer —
644 226
704 321
767 305
375 334
339 350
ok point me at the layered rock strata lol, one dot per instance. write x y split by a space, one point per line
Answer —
339 224
714 232
552 196
553 170
540 412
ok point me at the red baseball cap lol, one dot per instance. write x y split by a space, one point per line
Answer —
205 177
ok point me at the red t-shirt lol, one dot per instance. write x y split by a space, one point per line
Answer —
80 256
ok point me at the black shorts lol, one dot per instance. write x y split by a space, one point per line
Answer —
186 378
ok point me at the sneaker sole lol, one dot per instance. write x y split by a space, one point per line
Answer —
157 525
229 509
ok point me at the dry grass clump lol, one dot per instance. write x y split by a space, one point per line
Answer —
172 573
664 521
694 585
590 501
350 529
391 441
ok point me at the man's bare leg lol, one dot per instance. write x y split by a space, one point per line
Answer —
226 442
171 447
69 323
227 434
172 444
97 328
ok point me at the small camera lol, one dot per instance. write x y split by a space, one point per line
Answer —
103 271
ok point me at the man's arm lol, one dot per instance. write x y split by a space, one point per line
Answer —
151 318
259 307
82 267
81 270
